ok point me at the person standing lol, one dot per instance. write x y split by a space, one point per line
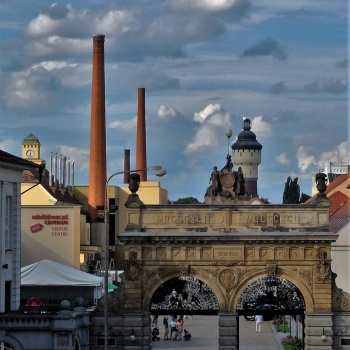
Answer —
179 327
258 322
166 328
172 326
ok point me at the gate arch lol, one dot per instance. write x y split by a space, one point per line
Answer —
157 283
191 294
271 295
252 278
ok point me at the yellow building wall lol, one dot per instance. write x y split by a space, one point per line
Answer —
149 192
36 195
51 233
82 194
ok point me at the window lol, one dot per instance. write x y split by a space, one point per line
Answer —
8 222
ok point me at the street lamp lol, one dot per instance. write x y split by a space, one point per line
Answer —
158 171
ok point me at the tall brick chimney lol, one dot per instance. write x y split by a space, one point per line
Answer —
98 167
141 160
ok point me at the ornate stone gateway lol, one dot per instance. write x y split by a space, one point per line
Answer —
231 252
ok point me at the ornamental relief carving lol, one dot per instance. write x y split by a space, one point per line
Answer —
306 274
147 253
229 278
161 253
323 271
184 270
213 272
341 300
132 271
151 275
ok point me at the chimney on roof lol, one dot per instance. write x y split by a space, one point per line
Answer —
141 161
98 167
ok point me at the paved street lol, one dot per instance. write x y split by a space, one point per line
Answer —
205 335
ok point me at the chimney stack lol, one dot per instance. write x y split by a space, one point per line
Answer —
141 161
126 165
98 167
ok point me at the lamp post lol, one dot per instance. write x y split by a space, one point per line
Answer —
158 171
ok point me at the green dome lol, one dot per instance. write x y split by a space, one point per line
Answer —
30 139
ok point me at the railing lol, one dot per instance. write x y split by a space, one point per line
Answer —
25 321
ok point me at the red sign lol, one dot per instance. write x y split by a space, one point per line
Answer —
36 228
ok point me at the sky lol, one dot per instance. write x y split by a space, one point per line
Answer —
205 65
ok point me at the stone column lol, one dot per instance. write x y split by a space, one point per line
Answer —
139 325
227 331
319 331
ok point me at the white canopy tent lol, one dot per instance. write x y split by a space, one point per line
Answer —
47 273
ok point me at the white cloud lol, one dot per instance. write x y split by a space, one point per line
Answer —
116 21
80 156
204 138
201 116
305 160
340 153
42 24
51 65
57 45
262 128
166 112
213 121
128 125
283 159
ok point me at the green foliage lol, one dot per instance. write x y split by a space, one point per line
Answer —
304 197
291 192
283 328
292 343
187 200
265 200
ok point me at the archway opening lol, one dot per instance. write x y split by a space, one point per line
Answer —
280 307
183 296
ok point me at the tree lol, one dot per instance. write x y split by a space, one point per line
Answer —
291 194
187 200
265 200
304 197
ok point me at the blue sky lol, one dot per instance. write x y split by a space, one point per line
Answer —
205 66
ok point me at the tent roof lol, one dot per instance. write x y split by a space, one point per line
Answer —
50 273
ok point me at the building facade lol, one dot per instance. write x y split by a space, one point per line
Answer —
12 168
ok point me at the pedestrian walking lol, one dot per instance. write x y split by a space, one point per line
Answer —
154 319
258 322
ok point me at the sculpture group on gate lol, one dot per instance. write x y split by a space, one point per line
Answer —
226 184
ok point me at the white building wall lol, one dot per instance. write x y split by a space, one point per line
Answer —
10 179
249 161
341 258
